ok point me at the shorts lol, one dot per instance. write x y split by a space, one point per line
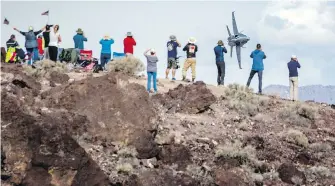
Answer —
172 63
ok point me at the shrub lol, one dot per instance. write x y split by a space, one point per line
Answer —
320 147
199 174
319 172
242 98
298 114
235 151
125 168
129 65
297 137
127 151
44 68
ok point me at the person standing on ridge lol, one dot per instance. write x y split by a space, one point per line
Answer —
191 49
40 46
129 43
172 56
31 41
151 69
55 40
219 51
293 66
79 39
257 66
106 51
46 37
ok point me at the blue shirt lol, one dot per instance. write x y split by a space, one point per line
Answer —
106 45
293 68
172 49
257 62
79 41
219 50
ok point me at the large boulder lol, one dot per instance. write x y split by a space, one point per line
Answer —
288 173
40 149
191 99
117 110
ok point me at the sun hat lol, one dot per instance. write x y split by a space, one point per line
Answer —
192 40
294 57
79 31
129 34
220 42
173 38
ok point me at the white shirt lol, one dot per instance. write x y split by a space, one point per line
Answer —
54 38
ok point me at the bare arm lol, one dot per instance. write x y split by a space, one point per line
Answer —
145 53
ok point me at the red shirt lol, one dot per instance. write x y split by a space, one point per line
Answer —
129 44
40 45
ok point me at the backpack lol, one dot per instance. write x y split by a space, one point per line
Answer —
65 55
97 68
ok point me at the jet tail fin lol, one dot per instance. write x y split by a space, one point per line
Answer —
228 31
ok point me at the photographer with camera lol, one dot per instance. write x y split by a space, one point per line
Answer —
172 57
219 51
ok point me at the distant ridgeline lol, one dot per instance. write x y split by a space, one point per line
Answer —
316 93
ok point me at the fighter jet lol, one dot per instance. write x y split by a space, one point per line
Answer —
238 40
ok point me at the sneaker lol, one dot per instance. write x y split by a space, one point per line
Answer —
173 79
184 78
193 79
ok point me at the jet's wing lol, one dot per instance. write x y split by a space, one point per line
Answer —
234 24
228 31
238 53
231 51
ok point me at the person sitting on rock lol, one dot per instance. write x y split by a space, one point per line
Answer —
151 69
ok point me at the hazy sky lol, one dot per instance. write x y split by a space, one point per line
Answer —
306 29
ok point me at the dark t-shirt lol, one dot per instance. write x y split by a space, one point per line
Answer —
172 49
293 68
46 35
191 50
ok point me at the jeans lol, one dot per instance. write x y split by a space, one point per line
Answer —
104 59
153 76
221 72
33 55
260 76
294 88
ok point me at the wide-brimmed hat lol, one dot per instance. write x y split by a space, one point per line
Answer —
129 34
294 57
106 36
192 40
79 31
173 37
220 42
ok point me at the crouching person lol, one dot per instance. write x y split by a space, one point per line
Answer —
151 69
